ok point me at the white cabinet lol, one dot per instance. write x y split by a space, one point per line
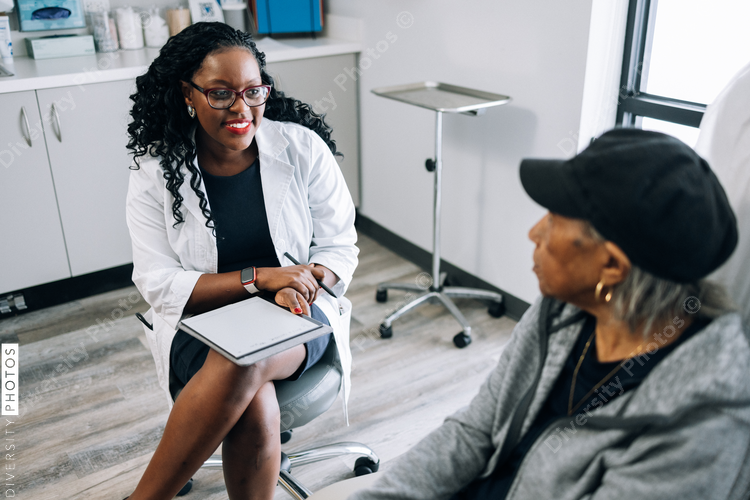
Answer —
86 131
63 197
32 247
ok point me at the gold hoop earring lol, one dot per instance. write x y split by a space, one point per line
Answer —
598 291
191 111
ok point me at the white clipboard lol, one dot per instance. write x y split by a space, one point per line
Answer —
253 329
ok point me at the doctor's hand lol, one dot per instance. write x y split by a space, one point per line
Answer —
300 278
291 298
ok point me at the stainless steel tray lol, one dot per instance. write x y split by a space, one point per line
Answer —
443 97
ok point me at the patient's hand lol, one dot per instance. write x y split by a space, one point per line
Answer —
291 298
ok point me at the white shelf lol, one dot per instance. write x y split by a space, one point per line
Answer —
31 74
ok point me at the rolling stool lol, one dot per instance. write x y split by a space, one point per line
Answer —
441 98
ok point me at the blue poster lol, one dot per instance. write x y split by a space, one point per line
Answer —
38 15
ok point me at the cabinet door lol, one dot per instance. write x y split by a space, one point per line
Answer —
32 248
85 128
312 81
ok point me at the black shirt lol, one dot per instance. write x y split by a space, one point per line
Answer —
243 238
591 373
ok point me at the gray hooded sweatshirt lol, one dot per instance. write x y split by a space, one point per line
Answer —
683 433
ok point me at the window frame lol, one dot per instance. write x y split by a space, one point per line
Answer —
632 102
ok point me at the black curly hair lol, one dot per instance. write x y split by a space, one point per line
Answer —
161 126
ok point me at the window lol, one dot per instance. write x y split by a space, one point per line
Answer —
679 54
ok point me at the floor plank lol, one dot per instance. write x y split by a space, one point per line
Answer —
93 413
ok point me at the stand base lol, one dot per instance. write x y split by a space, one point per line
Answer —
442 296
367 463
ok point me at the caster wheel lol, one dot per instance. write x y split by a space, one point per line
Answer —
497 309
364 466
186 489
461 340
286 436
381 296
386 332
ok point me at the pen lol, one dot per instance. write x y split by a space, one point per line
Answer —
322 285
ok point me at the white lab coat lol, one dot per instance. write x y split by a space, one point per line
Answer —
724 141
310 215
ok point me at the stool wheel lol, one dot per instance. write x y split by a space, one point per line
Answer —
497 309
381 295
286 436
364 466
461 340
186 489
386 332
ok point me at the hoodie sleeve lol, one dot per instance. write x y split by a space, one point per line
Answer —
458 451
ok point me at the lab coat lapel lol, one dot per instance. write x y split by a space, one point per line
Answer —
275 173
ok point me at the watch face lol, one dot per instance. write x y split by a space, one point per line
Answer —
247 275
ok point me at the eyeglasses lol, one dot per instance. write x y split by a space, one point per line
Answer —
220 98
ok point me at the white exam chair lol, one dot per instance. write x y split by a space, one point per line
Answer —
724 141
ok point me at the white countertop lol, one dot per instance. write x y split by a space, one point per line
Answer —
31 74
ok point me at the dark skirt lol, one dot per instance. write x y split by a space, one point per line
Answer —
188 354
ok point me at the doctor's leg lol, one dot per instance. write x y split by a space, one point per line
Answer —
204 414
252 450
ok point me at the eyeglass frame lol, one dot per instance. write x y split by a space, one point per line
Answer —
236 93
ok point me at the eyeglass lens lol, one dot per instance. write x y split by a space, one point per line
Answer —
223 99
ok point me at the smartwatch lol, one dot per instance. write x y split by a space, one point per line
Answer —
247 276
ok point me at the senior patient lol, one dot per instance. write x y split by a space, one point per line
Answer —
630 377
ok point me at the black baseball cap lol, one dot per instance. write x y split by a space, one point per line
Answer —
648 193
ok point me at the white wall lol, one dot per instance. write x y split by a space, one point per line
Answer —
536 52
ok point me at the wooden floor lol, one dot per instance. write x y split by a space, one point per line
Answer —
92 412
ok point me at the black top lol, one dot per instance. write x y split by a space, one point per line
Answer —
591 372
243 238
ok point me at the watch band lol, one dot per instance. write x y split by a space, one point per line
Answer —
247 277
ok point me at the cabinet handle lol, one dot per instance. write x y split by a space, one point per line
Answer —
26 122
57 121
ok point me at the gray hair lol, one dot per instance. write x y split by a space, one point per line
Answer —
645 299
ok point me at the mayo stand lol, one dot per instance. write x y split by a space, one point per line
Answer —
440 98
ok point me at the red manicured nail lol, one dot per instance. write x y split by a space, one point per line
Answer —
297 310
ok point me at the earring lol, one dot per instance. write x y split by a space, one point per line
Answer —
598 292
191 111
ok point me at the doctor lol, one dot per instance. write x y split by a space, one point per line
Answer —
230 174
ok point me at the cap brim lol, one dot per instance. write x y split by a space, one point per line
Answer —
548 183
